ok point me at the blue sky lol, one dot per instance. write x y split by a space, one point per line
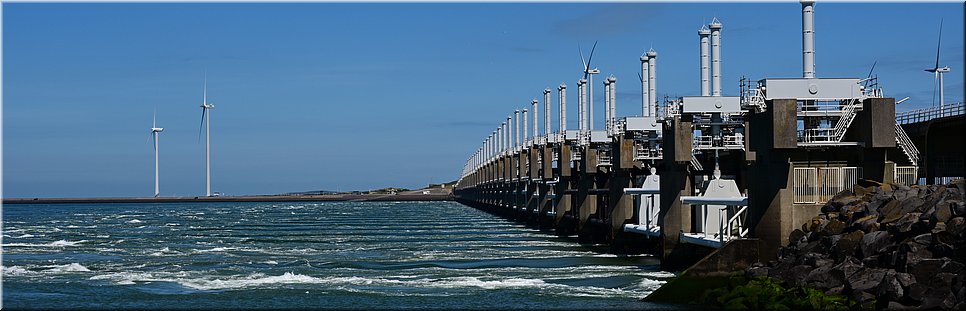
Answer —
336 96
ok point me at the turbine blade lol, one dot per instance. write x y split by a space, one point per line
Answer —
582 62
639 76
591 58
873 69
202 127
940 43
154 119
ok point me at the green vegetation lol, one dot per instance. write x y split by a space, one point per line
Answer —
738 292
390 190
763 293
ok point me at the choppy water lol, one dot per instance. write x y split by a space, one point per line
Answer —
304 255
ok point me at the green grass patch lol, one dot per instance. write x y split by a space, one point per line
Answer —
737 292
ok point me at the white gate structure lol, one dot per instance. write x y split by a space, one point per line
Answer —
648 206
720 213
819 184
906 175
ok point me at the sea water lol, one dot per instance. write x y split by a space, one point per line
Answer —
341 255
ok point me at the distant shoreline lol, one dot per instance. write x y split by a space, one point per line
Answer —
257 198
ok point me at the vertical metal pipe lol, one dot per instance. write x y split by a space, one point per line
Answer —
589 85
645 86
506 139
808 38
613 103
523 133
581 98
715 57
536 119
516 131
546 111
562 100
703 34
652 81
607 105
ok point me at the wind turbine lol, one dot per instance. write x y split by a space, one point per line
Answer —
206 123
938 71
590 87
155 131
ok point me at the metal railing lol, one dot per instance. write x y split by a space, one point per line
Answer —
736 222
696 164
603 157
926 114
848 115
736 141
905 143
820 184
806 180
906 175
751 95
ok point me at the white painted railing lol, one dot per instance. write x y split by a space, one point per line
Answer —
906 175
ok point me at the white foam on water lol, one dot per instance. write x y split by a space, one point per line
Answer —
171 224
28 235
458 282
59 243
254 280
164 252
15 270
134 221
71 267
271 262
66 243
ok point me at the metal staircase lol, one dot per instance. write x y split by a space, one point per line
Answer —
696 164
902 139
848 115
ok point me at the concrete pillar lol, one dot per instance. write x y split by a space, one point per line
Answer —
563 200
620 209
675 183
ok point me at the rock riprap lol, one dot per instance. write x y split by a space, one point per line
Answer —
883 245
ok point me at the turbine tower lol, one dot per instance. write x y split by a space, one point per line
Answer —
155 131
206 122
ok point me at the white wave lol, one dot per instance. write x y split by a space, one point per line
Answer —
253 280
216 249
58 243
15 270
134 221
171 224
80 227
71 267
271 262
66 243
493 284
164 252
28 235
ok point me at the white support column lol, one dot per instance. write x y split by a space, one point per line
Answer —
645 86
652 83
546 112
613 103
562 100
715 57
808 38
703 34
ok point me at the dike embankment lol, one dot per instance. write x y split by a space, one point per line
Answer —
266 198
